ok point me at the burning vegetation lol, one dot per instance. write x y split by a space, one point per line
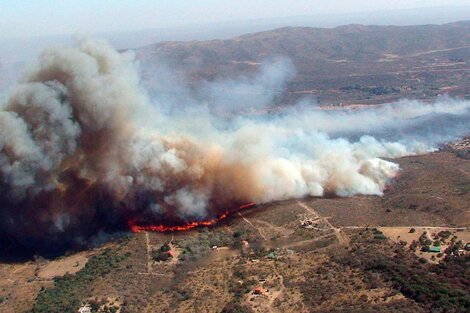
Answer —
167 228
84 152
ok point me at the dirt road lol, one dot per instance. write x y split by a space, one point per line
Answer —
342 238
252 225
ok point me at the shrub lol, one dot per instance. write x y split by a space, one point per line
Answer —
380 236
69 290
165 247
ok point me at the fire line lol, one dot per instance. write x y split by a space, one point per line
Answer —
135 228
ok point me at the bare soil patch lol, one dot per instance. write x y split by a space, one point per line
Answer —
60 267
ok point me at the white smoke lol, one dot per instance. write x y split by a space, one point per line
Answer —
83 110
249 93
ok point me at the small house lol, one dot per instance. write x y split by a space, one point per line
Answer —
84 309
434 249
258 291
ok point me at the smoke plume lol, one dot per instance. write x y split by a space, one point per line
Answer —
84 148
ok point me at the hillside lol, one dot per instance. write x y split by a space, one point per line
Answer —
346 64
356 254
407 250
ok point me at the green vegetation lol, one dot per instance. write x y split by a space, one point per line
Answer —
418 284
442 287
444 234
70 290
165 247
163 253
424 241
376 90
454 247
102 306
378 235
240 286
195 247
236 308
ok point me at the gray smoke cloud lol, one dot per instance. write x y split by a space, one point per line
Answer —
84 147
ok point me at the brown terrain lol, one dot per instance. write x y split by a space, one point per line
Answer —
303 255
353 64
356 254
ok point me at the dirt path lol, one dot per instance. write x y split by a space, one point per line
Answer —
342 238
465 172
21 268
428 235
252 225
306 241
282 230
147 243
277 293
149 260
407 227
414 71
432 51
309 209
150 263
266 303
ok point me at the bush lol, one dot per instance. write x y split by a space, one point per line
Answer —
195 247
234 307
165 247
69 290
444 234
238 234
418 283
161 256
113 309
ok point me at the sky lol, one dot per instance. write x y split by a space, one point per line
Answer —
24 18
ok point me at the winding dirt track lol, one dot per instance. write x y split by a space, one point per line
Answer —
252 225
342 238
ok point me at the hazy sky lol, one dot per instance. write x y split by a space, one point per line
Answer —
47 17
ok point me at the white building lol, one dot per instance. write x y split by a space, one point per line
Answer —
84 309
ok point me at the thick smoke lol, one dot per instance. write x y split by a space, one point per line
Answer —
84 149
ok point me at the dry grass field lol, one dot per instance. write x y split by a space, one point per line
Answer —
432 190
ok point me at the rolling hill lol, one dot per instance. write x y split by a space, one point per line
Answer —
348 64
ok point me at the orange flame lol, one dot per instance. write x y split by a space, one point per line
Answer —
163 228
